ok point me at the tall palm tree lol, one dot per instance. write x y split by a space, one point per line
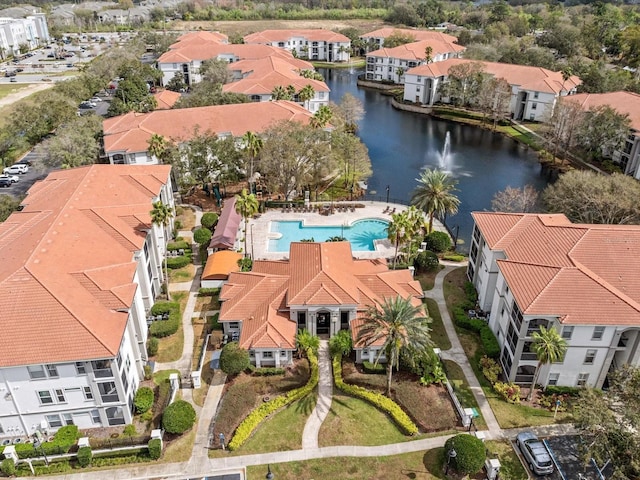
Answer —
400 325
158 146
161 215
434 194
306 94
322 117
252 145
247 206
279 93
398 231
549 347
428 54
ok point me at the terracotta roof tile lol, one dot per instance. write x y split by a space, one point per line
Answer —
419 35
314 34
166 99
206 51
416 50
621 102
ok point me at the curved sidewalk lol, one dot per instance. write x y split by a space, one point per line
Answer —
325 393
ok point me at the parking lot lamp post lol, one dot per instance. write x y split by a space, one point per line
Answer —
451 454
269 475
387 194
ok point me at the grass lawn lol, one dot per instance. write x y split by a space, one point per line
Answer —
417 465
183 274
205 303
352 421
7 89
163 375
180 448
438 333
200 394
463 392
170 348
510 466
282 431
428 279
186 217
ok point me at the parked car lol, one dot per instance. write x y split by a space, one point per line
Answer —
13 79
5 182
95 99
20 168
24 161
12 178
535 453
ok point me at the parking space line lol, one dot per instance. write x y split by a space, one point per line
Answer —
553 457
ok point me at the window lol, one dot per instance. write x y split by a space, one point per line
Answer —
255 98
344 320
36 371
365 352
95 416
52 370
81 368
252 353
590 357
534 106
302 320
234 325
536 94
597 333
267 354
283 354
119 359
108 392
53 421
127 364
67 418
125 381
553 378
115 416
88 394
1 429
567 332
582 379
516 315
60 395
476 233
102 368
45 397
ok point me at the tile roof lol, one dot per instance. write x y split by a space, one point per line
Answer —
314 34
315 274
419 35
67 270
220 264
584 274
536 79
166 99
200 37
416 50
226 231
205 51
131 132
621 102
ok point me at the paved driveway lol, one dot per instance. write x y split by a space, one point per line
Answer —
565 451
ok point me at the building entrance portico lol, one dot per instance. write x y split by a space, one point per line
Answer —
323 322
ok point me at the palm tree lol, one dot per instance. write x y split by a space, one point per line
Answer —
161 215
305 340
428 54
434 194
400 325
247 206
158 146
549 347
306 94
279 93
252 145
322 117
398 231
400 72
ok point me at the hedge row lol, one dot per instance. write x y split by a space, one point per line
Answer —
249 424
164 328
381 402
267 371
178 262
63 440
488 339
179 245
375 368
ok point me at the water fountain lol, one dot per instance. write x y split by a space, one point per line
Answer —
445 156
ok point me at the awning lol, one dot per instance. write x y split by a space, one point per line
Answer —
224 236
221 264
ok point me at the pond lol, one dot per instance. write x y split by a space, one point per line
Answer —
401 144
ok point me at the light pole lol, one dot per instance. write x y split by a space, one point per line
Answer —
387 194
252 255
269 475
451 454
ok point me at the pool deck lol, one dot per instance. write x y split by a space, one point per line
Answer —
259 228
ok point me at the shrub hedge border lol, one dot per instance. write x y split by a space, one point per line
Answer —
379 401
251 422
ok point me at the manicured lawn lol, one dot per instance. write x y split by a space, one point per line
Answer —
352 421
463 392
163 376
510 466
282 431
180 448
417 465
428 279
184 274
438 333
186 217
170 348
200 394
452 287
205 303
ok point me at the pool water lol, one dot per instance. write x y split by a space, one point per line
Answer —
361 234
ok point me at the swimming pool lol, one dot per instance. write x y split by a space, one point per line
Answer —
361 234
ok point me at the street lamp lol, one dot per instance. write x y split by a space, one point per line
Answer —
387 194
451 454
269 475
252 255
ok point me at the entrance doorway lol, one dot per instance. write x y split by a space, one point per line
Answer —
323 320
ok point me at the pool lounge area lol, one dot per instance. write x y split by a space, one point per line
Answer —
366 224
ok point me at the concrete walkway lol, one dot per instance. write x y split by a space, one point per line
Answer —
325 392
205 435
456 352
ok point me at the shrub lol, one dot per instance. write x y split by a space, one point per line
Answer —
268 371
470 453
152 346
341 343
202 236
143 400
8 467
208 292
181 245
558 390
178 417
251 422
155 448
245 264
375 368
129 431
148 373
490 369
508 391
454 257
438 242
84 456
147 416
426 261
209 219
178 262
379 401
472 295
489 342
164 328
233 359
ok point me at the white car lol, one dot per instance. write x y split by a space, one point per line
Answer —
15 169
12 178
95 99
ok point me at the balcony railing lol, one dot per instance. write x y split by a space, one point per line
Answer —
525 379
112 397
528 356
103 373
